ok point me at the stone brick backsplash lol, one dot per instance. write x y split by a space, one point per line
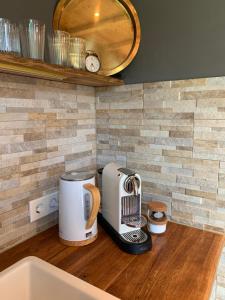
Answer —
46 129
173 134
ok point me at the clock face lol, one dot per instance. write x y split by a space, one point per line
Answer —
92 63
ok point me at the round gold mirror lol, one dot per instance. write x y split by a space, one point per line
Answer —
110 27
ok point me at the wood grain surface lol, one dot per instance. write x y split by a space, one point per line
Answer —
181 265
37 69
95 194
157 206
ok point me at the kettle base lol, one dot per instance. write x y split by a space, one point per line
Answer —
78 243
124 244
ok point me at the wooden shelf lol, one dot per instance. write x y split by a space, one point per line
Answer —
37 69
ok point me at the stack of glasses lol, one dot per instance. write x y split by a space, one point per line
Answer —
28 39
66 50
32 35
9 37
58 44
77 52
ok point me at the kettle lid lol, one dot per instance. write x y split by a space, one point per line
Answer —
77 176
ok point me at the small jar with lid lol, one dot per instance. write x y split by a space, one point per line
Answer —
157 219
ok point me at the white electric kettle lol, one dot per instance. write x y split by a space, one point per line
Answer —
79 201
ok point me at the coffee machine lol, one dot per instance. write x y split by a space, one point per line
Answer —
121 209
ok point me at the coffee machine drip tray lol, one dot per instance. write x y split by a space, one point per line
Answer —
133 242
136 221
137 236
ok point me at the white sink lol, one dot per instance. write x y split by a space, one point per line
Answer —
34 279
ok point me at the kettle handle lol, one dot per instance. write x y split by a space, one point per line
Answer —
95 203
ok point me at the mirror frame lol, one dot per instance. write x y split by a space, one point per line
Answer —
136 25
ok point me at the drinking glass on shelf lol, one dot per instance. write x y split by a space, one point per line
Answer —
3 28
77 52
9 37
58 44
32 34
13 39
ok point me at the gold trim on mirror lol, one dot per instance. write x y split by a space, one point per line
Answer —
111 28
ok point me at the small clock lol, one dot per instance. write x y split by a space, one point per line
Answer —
92 62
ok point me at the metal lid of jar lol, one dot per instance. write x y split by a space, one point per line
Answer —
77 176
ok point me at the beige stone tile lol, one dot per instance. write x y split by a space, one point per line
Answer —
15 156
71 149
177 153
18 92
147 149
2 108
222 164
152 103
78 164
206 144
192 95
135 104
187 198
181 106
32 178
177 128
181 134
21 124
23 111
200 194
11 139
206 155
211 174
190 208
157 85
41 116
7 117
54 133
210 116
177 171
121 97
65 141
202 182
144 167
161 94
9 184
9 172
85 132
119 89
163 122
210 222
212 103
154 133
168 116
34 136
216 81
27 103
182 217
189 83
61 123
26 146
152 189
174 141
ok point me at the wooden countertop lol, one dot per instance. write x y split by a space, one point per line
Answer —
181 265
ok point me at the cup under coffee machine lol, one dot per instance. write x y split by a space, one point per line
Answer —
121 209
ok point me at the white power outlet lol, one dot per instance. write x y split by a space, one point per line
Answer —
43 206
